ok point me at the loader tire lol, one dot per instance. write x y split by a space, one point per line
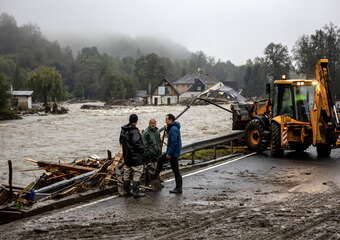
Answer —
276 149
323 150
255 137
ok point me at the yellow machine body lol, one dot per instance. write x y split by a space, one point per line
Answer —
319 127
299 113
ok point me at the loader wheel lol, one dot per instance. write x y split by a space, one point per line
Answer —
323 150
276 150
255 138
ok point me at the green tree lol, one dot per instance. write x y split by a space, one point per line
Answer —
4 96
198 61
116 86
323 43
47 84
277 60
149 70
255 78
90 69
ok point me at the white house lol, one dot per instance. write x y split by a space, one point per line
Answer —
21 100
164 94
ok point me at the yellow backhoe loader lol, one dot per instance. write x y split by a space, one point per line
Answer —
299 113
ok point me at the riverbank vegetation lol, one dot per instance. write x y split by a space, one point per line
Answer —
5 113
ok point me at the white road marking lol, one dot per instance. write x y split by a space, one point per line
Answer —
89 204
212 167
169 180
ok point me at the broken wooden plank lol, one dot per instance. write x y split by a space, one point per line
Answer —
31 169
62 166
10 176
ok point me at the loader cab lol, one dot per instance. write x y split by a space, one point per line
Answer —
293 98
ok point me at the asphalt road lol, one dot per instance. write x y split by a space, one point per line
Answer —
258 197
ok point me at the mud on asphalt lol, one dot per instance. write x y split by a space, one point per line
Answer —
257 198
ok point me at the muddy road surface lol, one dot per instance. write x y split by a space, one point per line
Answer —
258 197
81 133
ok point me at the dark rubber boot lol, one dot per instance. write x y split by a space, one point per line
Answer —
176 191
135 190
156 184
127 189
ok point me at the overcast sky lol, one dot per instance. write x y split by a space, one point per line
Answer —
230 30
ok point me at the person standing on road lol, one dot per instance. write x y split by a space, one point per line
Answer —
133 150
173 151
152 143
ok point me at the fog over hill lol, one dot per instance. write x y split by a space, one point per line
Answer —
120 45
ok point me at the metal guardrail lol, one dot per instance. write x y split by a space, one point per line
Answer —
208 143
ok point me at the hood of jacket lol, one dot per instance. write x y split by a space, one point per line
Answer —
128 127
177 124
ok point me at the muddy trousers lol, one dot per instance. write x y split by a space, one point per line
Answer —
133 173
175 169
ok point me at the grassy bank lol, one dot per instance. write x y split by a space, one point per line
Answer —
208 154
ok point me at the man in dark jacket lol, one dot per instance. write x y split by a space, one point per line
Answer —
133 150
152 143
173 151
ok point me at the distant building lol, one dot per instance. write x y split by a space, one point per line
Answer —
188 96
164 94
194 82
21 100
141 97
227 93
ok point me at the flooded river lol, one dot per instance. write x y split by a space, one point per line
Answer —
81 133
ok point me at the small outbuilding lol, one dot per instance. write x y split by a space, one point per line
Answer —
141 97
21 100
164 94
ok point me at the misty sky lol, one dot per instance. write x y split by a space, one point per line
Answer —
230 30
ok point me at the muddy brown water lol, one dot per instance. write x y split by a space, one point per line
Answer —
81 133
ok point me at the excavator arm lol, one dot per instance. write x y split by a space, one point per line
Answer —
324 119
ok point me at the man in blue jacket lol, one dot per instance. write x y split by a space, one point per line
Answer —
173 151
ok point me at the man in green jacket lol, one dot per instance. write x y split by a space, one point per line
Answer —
152 143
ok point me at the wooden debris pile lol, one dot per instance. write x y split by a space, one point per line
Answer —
63 179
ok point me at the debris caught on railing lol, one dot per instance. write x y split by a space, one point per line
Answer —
63 179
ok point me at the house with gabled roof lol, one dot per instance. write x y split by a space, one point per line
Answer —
164 94
194 82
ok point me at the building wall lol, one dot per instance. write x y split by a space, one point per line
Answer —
163 100
24 102
168 90
29 102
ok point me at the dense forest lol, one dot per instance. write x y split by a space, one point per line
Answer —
117 67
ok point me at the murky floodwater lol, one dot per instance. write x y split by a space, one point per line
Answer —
81 133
